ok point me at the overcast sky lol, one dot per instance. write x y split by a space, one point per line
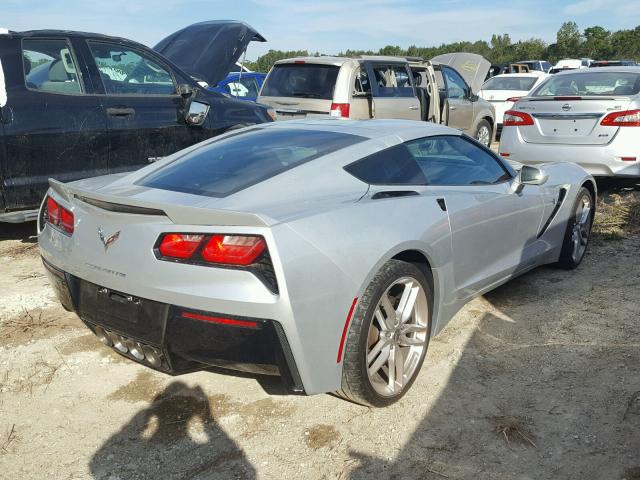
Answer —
325 26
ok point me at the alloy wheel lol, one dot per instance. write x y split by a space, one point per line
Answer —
397 336
581 228
483 135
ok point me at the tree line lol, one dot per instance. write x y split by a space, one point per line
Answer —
594 42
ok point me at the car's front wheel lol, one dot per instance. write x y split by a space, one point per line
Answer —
484 133
388 337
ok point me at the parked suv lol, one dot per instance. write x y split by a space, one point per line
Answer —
442 90
79 104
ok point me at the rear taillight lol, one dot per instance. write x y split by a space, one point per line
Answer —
340 110
238 250
565 98
513 118
233 249
58 216
626 118
178 245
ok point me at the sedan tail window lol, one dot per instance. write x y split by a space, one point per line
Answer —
49 66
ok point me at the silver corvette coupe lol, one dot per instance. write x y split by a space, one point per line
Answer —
326 252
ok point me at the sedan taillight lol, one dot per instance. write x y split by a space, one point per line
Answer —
232 250
513 118
626 118
58 216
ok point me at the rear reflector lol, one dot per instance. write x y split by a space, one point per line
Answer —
220 320
178 245
58 216
300 62
340 110
233 249
628 159
626 118
513 118
346 329
504 154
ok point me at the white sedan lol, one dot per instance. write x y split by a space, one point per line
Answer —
502 91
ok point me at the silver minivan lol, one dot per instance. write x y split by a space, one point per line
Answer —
442 90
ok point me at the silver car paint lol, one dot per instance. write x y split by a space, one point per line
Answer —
599 150
327 238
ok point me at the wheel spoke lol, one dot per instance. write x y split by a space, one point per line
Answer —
382 322
407 302
389 310
399 367
392 368
382 358
371 356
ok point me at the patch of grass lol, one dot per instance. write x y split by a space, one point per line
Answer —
28 323
513 429
618 215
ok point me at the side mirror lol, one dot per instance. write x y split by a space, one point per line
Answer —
185 90
529 175
197 113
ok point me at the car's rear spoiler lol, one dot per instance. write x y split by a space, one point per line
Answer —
178 214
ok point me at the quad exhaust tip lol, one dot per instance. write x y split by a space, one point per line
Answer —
137 350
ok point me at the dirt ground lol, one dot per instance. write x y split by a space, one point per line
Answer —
536 380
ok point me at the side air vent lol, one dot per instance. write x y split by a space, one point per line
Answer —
561 196
394 194
120 208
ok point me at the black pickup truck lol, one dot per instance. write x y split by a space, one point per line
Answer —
76 105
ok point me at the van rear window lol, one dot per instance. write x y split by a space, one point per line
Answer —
225 166
302 80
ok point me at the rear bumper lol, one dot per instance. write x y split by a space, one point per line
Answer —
598 160
186 339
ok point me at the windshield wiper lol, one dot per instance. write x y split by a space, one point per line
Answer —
305 94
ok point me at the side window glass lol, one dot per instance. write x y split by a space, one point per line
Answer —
393 166
392 81
126 71
244 87
453 160
456 88
362 84
49 66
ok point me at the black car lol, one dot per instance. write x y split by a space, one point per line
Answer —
76 105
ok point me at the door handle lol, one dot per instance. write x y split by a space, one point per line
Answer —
120 111
414 107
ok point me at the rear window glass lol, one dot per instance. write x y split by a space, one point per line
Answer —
231 164
303 80
510 83
591 84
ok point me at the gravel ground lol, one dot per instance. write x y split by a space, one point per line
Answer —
536 380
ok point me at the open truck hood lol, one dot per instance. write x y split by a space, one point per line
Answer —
471 66
208 50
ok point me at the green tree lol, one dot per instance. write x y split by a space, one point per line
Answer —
266 61
502 50
568 40
597 43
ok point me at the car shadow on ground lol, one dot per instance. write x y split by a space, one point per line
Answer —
175 437
25 232
547 387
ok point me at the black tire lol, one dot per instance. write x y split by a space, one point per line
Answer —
356 385
568 260
481 125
